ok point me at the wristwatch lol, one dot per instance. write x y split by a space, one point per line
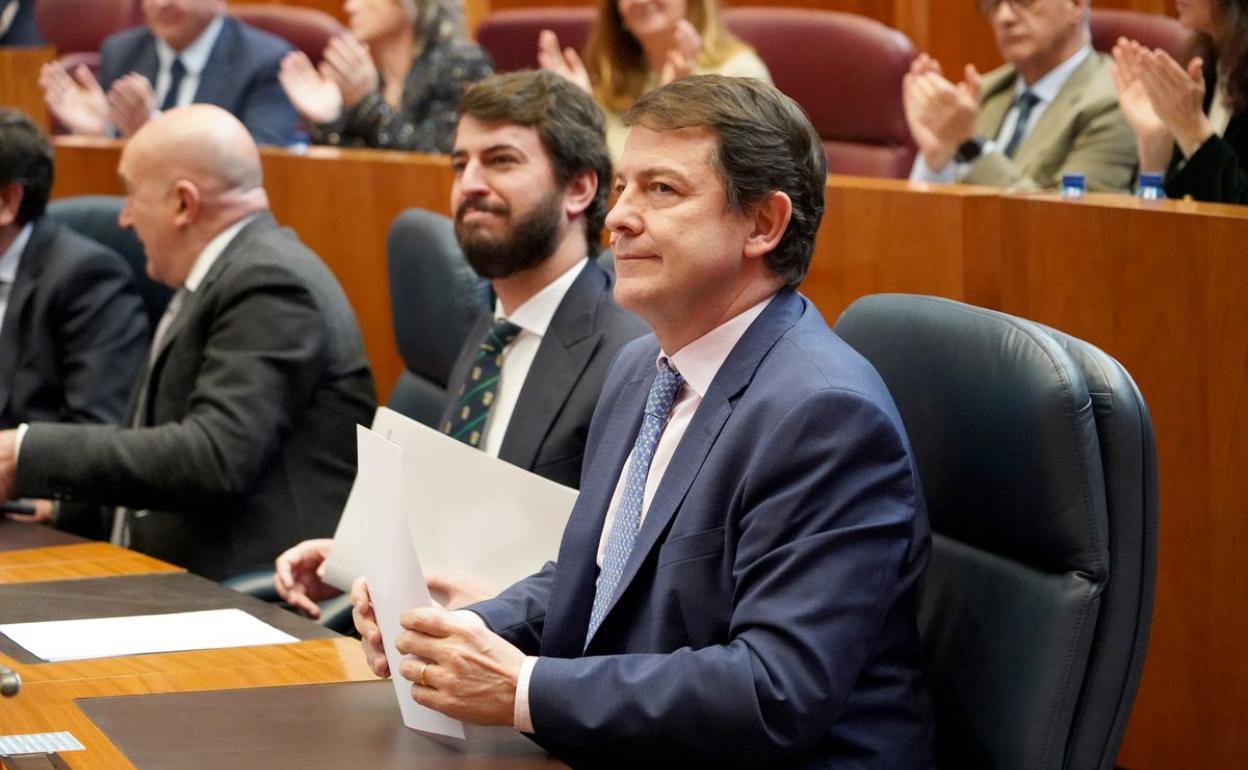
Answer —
970 149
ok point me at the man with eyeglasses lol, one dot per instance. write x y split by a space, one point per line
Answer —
1051 110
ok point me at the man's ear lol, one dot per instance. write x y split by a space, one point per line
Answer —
579 193
11 195
770 218
188 202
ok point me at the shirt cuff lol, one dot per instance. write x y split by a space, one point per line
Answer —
523 720
925 173
17 442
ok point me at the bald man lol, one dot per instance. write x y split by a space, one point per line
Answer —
240 438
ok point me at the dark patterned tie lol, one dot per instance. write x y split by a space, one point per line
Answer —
476 395
177 71
627 522
1027 102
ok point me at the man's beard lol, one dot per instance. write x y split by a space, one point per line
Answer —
527 242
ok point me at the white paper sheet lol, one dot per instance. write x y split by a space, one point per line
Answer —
470 514
136 635
350 551
394 577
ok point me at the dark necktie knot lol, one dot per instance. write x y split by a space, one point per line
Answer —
1026 102
667 384
177 71
502 334
480 388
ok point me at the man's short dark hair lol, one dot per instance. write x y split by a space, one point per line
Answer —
765 144
567 120
26 159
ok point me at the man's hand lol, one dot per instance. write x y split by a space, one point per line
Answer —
941 115
1152 137
8 463
366 625
45 510
349 65
566 62
298 576
131 101
313 93
465 670
77 101
455 591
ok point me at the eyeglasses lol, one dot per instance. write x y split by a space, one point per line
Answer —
987 7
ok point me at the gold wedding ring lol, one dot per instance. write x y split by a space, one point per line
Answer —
420 680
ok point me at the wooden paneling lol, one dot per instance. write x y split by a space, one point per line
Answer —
1160 286
69 562
19 81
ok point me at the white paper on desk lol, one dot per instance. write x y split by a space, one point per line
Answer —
350 551
475 515
139 634
395 580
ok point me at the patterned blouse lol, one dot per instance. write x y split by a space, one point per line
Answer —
429 107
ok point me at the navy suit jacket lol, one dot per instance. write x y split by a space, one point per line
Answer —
548 427
240 75
766 616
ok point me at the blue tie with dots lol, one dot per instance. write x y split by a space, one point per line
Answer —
667 384
480 388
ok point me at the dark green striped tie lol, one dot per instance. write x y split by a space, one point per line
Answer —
477 394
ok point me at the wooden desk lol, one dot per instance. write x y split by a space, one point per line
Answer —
1160 286
19 81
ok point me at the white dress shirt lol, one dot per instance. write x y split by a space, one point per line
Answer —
194 58
1045 89
533 317
698 363
8 267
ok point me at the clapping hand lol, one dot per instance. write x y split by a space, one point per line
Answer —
684 54
131 101
350 66
313 93
941 114
77 101
565 62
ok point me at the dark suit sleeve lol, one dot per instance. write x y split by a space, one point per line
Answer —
266 350
101 330
265 108
825 544
1215 173
522 607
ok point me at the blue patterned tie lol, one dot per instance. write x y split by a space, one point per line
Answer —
667 384
1027 102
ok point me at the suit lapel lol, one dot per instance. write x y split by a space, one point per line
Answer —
1043 136
733 377
995 103
24 282
147 63
565 351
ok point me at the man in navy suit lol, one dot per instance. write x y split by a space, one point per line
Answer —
188 52
736 584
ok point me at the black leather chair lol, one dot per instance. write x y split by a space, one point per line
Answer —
95 216
1036 456
435 297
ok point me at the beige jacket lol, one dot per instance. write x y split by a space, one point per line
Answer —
1081 132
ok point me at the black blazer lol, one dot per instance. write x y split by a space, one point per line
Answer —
550 423
252 404
74 338
1218 171
240 75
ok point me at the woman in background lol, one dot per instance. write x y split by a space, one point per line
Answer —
1192 123
393 82
638 45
